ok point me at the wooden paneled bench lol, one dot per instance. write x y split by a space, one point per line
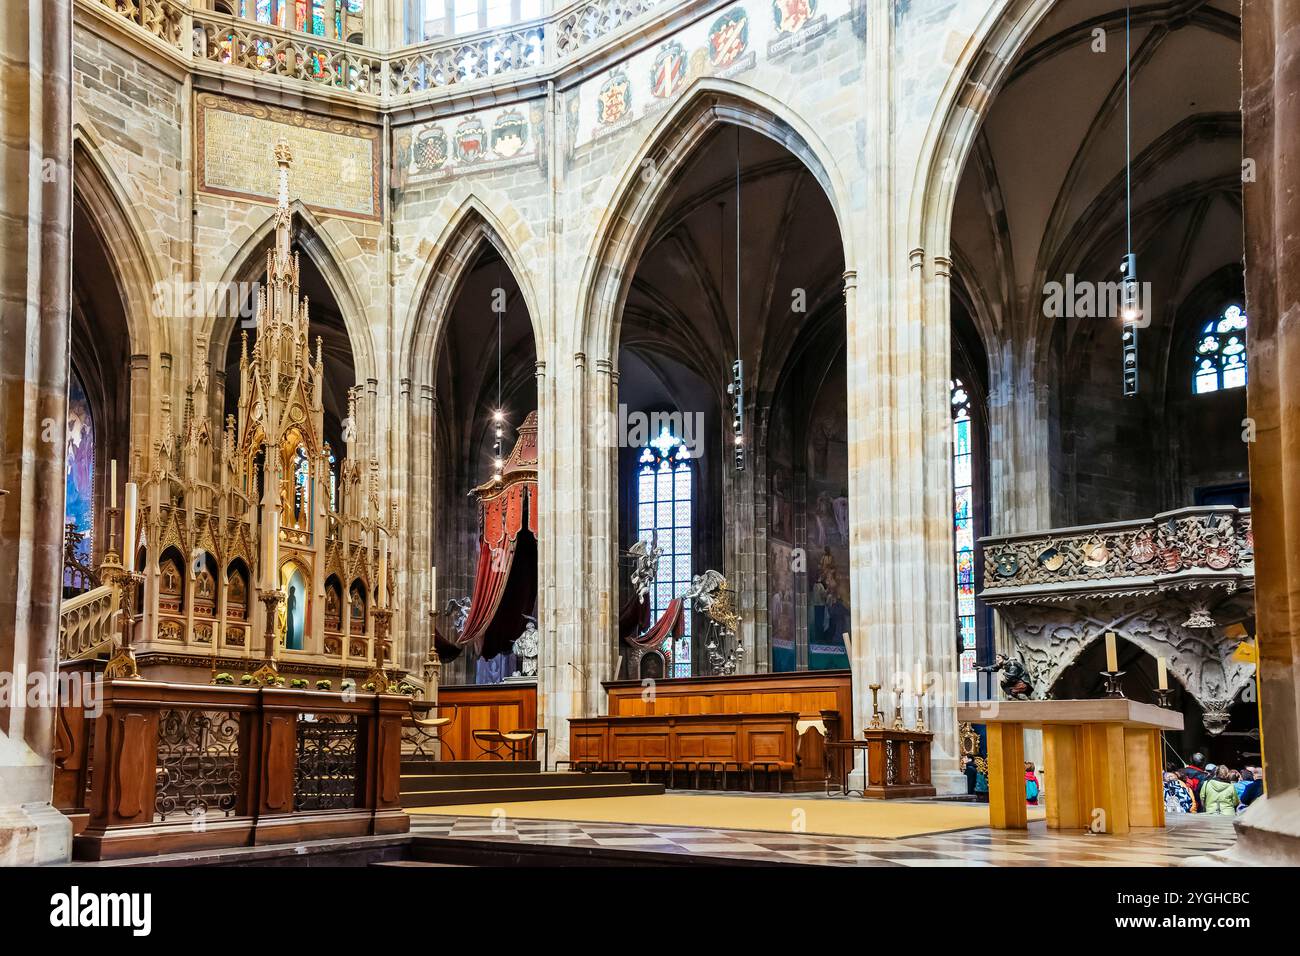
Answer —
728 747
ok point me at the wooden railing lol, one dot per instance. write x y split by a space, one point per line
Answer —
181 767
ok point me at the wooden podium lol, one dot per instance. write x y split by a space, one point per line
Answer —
1102 759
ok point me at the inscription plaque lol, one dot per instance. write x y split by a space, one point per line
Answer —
336 163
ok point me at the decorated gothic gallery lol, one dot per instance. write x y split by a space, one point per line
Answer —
630 398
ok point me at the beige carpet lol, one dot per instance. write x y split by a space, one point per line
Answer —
849 817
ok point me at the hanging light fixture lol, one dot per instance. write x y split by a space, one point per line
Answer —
736 388
1131 304
498 415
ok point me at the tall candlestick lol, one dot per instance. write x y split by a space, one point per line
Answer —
1112 658
1162 669
128 525
112 484
273 551
383 578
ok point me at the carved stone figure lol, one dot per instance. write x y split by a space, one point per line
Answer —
526 647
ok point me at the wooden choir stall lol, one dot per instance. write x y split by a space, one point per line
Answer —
738 732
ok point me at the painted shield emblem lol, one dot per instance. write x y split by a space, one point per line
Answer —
791 15
669 71
470 140
615 98
1143 550
509 134
431 150
729 37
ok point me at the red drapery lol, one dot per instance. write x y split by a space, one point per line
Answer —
671 623
504 589
634 618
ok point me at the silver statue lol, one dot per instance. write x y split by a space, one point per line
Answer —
526 647
710 596
458 608
645 566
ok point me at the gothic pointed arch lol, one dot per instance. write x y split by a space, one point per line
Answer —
248 265
625 230
473 225
117 221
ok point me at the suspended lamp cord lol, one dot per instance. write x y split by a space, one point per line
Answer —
737 243
1128 125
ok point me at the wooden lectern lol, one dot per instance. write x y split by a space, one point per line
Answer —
1102 759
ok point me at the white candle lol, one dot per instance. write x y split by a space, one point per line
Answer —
273 551
1112 658
128 525
383 578
1163 668
112 484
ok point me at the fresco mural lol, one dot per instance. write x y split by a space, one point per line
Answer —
79 496
827 530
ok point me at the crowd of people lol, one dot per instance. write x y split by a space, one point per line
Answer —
1197 787
1201 787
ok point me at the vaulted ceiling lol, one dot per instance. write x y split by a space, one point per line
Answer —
682 301
1043 193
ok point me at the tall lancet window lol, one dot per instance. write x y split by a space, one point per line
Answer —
1220 361
963 522
664 504
79 496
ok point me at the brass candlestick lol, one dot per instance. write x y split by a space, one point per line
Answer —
898 709
432 670
877 718
920 713
122 665
268 675
378 676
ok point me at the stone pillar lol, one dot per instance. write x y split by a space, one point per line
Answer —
35 250
1269 832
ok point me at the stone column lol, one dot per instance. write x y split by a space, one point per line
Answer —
1269 832
35 250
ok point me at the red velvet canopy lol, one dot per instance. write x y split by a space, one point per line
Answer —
505 582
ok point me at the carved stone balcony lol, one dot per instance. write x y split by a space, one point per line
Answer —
1167 584
195 34
1188 549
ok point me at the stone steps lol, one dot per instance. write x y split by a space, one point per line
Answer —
428 783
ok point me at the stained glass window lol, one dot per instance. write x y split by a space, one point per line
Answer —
79 500
317 25
263 11
302 486
664 504
963 523
1220 362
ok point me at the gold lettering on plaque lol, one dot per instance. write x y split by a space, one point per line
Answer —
336 163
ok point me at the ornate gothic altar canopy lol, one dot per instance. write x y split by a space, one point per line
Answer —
505 582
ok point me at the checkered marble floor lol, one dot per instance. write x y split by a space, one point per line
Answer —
1186 836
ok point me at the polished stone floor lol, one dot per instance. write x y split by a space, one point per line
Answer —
1185 837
